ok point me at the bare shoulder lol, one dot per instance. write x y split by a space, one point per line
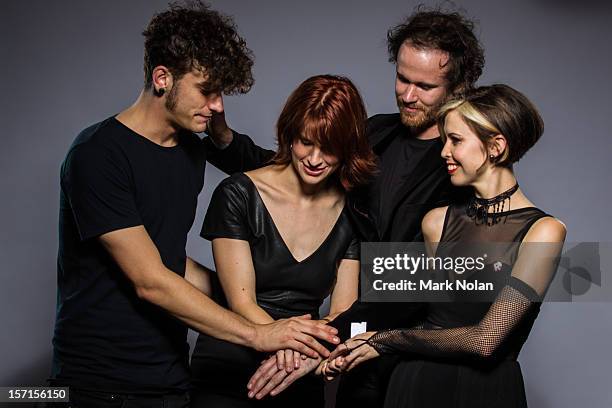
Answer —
433 223
263 177
546 229
257 174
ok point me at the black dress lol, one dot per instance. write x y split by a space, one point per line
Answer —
448 369
284 288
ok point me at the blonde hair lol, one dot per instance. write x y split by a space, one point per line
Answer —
497 110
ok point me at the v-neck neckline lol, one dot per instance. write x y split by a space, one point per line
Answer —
280 236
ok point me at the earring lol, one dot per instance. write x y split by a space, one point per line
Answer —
160 92
492 156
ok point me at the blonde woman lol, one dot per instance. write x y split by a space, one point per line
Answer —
466 353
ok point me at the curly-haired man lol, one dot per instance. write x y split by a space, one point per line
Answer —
129 188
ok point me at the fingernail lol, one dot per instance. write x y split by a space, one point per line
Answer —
336 340
250 395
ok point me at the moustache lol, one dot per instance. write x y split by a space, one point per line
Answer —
407 105
411 105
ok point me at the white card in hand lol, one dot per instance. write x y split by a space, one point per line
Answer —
358 328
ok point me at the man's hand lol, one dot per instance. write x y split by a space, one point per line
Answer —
269 379
296 333
218 130
289 359
351 353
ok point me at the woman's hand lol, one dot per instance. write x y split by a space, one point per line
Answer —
289 360
270 379
351 353
330 369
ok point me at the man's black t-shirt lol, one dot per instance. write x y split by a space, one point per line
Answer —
105 336
397 163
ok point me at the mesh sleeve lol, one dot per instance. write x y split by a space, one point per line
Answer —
531 275
480 340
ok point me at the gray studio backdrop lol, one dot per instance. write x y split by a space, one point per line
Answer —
67 64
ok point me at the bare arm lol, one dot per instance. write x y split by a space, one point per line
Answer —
344 292
199 276
432 226
234 265
140 260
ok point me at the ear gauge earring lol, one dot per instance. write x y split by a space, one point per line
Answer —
160 92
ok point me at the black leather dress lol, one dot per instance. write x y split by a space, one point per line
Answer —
284 288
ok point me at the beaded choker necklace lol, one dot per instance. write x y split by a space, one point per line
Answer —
478 208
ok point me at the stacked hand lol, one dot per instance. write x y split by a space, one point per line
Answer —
296 333
273 376
348 355
289 360
270 379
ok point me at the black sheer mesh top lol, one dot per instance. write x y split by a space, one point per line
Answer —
461 236
464 329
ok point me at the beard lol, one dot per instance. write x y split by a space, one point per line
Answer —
171 98
421 120
177 115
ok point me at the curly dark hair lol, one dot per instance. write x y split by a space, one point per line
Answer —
190 35
450 32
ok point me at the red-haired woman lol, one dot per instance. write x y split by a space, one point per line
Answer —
282 240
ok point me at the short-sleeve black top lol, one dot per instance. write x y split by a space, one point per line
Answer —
105 336
284 286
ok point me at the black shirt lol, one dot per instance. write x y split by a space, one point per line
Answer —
105 336
397 163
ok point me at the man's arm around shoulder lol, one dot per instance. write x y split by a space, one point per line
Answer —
232 152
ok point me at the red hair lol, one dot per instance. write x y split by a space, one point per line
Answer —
328 110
